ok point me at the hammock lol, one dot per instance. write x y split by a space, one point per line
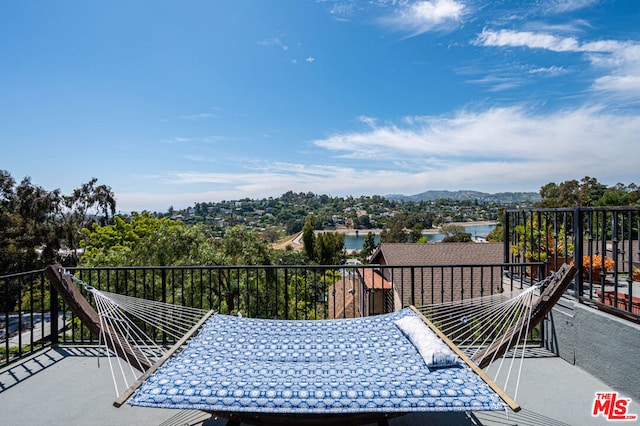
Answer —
274 371
302 367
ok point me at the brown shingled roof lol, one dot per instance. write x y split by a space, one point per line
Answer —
426 285
439 254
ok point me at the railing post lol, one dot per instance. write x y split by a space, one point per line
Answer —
614 253
413 286
506 235
578 249
53 306
286 293
163 285
630 261
6 320
163 275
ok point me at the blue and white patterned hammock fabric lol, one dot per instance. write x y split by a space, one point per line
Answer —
361 365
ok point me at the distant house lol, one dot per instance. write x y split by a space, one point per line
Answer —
376 295
424 274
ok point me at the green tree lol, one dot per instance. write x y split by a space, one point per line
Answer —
309 236
85 205
590 191
362 222
549 194
7 222
451 229
289 256
29 232
132 241
496 235
33 230
455 233
634 194
423 219
245 247
369 245
463 237
616 196
394 232
571 193
416 233
33 227
329 248
293 226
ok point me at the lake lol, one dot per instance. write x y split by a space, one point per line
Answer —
354 242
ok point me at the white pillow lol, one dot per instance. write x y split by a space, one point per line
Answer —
434 351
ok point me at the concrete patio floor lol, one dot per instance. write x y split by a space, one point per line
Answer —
64 386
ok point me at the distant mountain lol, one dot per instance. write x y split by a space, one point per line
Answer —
483 197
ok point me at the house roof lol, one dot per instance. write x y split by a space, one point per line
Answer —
374 280
423 273
439 254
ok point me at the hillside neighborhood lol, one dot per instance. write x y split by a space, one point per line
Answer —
285 215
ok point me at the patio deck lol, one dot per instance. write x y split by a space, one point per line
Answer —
64 386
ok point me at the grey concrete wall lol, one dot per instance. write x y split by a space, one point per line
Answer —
605 346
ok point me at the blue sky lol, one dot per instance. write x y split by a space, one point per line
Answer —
172 103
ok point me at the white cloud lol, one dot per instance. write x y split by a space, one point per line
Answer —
508 38
200 158
552 70
564 6
178 139
499 83
618 60
499 149
274 42
205 139
423 16
570 27
625 86
509 136
369 121
200 116
310 59
623 79
543 40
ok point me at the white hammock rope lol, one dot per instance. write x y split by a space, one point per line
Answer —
120 316
456 320
477 324
171 319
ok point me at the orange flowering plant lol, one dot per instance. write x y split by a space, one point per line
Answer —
596 263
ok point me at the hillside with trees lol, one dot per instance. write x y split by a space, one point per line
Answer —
482 197
277 217
588 192
40 227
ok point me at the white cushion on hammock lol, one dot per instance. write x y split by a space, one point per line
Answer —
434 351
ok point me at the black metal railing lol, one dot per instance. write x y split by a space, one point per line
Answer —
602 242
32 309
26 317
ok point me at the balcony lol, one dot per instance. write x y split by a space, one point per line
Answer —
49 361
51 373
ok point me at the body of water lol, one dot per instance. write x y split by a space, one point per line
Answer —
354 242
